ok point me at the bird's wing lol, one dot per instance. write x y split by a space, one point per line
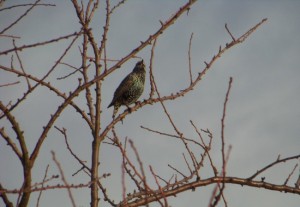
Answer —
126 83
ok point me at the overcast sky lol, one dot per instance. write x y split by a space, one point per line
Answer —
263 114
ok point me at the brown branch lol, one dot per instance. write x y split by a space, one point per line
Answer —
11 143
23 5
48 187
229 32
175 128
42 79
106 197
273 164
40 193
290 175
21 17
64 133
126 158
207 148
21 65
151 77
123 182
189 58
55 116
63 178
176 170
117 5
40 43
20 136
88 95
174 136
10 84
10 36
51 88
223 126
209 181
159 187
84 21
72 73
214 200
24 157
144 180
4 197
105 28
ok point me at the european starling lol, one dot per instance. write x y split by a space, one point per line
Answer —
130 89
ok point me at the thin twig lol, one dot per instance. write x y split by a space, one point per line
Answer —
290 175
40 193
229 32
41 43
159 187
10 84
21 65
63 131
23 5
140 163
273 164
174 136
21 17
63 178
223 124
117 5
152 88
11 143
189 58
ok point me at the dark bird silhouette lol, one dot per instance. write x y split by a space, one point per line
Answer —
130 89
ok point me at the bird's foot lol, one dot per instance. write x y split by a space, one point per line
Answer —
129 109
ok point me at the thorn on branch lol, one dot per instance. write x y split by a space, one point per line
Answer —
161 23
229 33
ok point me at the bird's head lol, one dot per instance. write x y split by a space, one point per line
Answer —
139 67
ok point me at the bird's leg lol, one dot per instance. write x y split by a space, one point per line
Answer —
115 112
137 103
129 109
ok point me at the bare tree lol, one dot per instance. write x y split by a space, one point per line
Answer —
86 95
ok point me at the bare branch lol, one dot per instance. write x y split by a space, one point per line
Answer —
21 65
10 84
229 32
209 181
21 17
64 133
273 164
159 187
4 197
117 5
11 143
40 193
41 43
63 178
223 126
189 58
151 77
287 179
23 5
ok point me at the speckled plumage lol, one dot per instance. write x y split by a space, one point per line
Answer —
130 89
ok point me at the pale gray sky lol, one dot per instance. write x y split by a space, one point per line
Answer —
263 113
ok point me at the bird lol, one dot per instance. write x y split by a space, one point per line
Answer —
130 89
